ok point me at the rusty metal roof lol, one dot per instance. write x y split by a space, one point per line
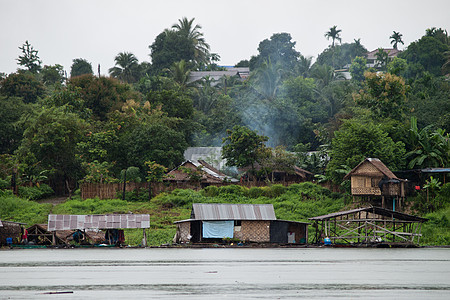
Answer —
69 222
221 211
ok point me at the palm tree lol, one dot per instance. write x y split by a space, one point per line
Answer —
334 34
186 28
304 65
180 73
396 38
267 79
125 68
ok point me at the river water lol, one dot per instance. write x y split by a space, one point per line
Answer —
283 273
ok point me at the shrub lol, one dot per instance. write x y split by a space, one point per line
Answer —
35 192
140 195
210 191
255 192
274 191
4 184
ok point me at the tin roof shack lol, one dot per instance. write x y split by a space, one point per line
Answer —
243 222
369 226
97 222
198 172
373 181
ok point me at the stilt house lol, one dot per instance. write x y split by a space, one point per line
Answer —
373 182
244 222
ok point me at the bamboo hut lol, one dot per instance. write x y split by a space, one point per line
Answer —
371 180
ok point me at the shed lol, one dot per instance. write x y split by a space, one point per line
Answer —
38 234
373 180
210 222
9 229
368 225
97 222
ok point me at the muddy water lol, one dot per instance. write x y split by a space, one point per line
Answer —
225 273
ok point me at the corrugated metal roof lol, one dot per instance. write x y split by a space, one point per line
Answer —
69 222
221 211
374 210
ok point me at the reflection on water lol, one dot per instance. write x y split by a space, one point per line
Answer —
225 273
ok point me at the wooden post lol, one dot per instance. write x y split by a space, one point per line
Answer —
382 202
144 239
54 238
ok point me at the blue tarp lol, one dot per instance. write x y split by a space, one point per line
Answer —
218 229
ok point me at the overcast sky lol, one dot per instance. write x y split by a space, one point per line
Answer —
97 30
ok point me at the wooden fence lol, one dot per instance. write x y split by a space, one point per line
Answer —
114 190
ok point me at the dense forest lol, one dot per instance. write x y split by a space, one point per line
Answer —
63 129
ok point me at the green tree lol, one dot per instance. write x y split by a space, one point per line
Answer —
342 55
23 85
425 55
52 74
357 68
382 59
50 140
126 67
397 66
11 110
279 50
201 49
180 73
169 47
384 94
396 38
242 146
29 58
155 173
357 140
333 34
101 94
80 67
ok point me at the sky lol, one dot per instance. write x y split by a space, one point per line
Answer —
97 30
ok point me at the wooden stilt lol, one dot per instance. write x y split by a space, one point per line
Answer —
144 239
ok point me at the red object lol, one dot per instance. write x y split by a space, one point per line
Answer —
417 187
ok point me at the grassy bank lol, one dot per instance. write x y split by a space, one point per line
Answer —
297 202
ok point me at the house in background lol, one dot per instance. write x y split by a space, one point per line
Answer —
371 56
212 222
215 76
372 181
198 172
211 155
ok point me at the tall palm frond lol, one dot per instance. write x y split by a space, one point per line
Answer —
396 38
334 34
125 68
189 30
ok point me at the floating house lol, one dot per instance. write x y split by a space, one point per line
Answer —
97 222
212 222
371 180
368 226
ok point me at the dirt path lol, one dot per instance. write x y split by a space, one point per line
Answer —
53 200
